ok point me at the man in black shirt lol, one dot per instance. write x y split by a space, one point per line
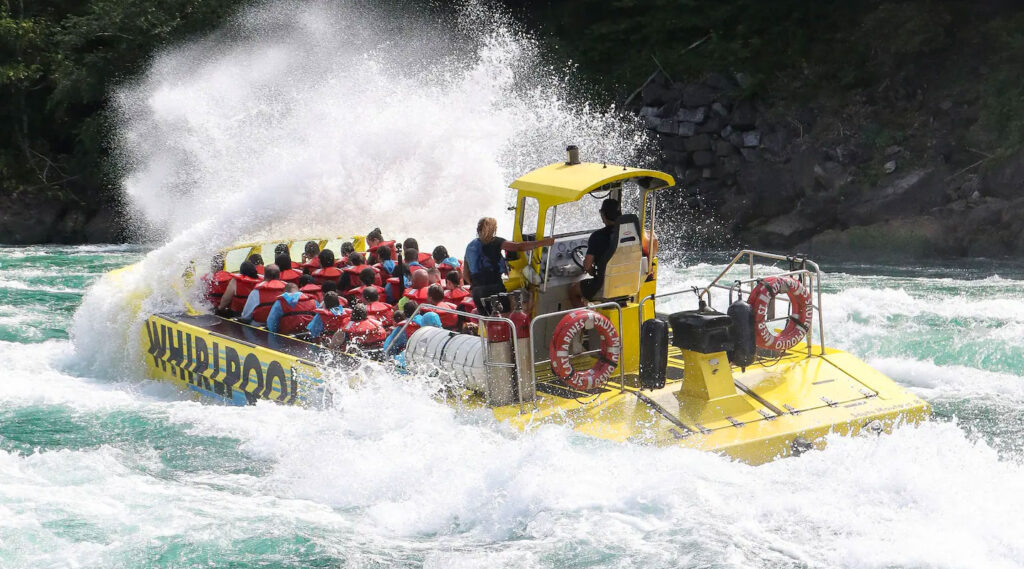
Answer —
598 246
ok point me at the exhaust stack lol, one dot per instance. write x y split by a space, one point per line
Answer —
574 155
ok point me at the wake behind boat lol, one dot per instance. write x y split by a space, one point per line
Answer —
745 373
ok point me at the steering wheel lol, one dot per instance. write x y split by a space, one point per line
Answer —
578 254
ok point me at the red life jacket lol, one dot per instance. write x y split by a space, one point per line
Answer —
243 286
291 276
268 291
323 275
427 260
382 312
259 269
445 268
390 244
417 294
216 284
448 320
313 290
353 274
333 322
367 333
354 294
312 264
456 295
294 318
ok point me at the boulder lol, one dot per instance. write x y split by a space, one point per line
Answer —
913 237
698 95
720 109
784 231
695 115
698 142
744 116
686 129
1006 179
703 158
751 139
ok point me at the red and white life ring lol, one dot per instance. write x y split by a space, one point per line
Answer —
567 329
801 312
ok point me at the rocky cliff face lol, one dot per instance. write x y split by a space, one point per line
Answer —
832 179
37 219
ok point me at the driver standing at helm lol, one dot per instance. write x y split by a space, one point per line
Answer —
597 255
485 261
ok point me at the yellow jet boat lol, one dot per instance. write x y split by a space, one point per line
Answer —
756 382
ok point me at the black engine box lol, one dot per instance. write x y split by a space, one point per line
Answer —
704 331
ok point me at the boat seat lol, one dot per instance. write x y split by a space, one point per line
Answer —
624 269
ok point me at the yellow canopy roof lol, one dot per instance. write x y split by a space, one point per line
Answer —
564 183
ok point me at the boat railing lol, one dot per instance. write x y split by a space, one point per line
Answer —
484 340
533 336
808 273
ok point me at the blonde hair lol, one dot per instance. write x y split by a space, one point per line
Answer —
486 228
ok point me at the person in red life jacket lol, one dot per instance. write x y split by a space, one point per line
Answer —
435 296
457 294
423 259
238 290
362 331
434 276
375 241
356 264
329 318
308 286
418 290
445 262
367 278
310 256
327 270
412 259
346 250
291 312
381 311
216 281
287 275
282 249
263 295
257 260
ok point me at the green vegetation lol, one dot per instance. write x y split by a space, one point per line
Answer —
58 63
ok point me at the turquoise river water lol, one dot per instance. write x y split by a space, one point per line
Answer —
102 468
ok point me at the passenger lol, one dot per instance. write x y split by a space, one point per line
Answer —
329 318
375 240
457 294
435 296
287 275
485 261
327 270
381 311
310 260
445 262
307 285
418 290
367 278
216 281
419 320
238 290
356 264
371 259
401 277
346 249
396 340
597 255
291 312
282 249
330 286
434 276
362 331
257 259
263 295
422 258
386 266
412 257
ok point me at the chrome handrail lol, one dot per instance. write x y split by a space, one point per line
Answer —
483 339
533 323
812 272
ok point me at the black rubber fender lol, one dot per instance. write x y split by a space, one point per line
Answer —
653 353
743 341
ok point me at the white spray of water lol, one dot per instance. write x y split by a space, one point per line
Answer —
308 119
